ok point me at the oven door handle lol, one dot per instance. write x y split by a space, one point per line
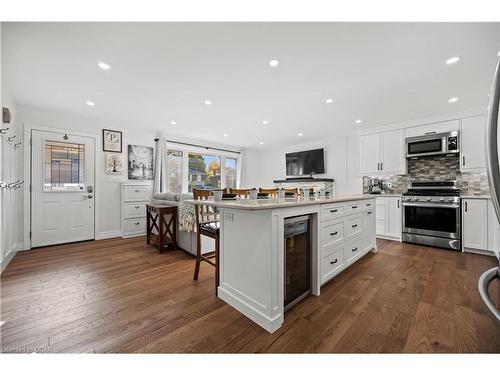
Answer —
437 205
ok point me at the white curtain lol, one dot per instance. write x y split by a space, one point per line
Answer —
239 174
161 172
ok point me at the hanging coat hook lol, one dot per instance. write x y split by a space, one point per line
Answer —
13 184
4 131
11 138
3 185
19 184
17 145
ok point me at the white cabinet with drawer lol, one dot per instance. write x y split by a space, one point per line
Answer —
369 240
134 199
332 232
352 250
440 127
331 264
331 211
353 225
389 218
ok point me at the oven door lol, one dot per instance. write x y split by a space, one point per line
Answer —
432 219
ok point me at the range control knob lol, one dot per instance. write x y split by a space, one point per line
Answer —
429 199
441 199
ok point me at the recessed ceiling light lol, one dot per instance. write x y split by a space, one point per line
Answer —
358 121
226 135
90 103
261 143
452 60
329 101
103 65
173 123
300 134
452 100
273 63
265 122
207 102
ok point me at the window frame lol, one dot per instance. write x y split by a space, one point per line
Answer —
204 151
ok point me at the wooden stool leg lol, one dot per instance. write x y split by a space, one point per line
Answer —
216 264
198 255
148 227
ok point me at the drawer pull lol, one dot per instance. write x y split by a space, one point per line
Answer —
137 191
369 212
368 204
353 207
333 233
354 225
355 249
137 207
333 211
334 261
136 223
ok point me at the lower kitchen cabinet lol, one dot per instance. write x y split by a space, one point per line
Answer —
475 224
389 218
493 228
369 229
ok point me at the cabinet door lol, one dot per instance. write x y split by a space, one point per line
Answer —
369 150
440 127
472 139
493 229
392 152
368 229
475 223
380 216
393 217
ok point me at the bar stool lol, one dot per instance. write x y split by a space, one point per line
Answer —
272 192
242 193
207 224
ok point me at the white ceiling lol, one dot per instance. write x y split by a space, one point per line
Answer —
161 72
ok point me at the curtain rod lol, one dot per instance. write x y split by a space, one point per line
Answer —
205 147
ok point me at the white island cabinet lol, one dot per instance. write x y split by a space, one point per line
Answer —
252 248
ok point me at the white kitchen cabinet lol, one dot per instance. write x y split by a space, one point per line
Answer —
493 229
382 153
369 145
475 224
439 127
368 230
472 143
389 218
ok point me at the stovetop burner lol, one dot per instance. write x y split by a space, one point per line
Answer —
433 188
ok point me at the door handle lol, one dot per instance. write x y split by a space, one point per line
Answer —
381 166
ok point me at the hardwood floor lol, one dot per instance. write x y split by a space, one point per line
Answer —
120 295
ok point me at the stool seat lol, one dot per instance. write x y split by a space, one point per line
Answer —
212 227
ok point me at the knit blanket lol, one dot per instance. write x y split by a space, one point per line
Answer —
187 215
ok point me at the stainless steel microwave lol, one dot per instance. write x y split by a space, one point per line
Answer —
432 144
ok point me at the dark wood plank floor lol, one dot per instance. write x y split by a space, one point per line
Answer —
120 295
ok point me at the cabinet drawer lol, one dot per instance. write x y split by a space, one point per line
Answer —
136 193
331 211
331 233
132 210
352 250
134 226
369 205
353 207
331 264
353 226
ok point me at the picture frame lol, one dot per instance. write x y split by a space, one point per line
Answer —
112 140
140 162
113 163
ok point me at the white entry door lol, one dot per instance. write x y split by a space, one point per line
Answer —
62 188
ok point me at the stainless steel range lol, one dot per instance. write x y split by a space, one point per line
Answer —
432 214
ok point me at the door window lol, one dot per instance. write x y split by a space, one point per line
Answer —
64 166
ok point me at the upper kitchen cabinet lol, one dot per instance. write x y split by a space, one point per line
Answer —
472 143
439 127
382 153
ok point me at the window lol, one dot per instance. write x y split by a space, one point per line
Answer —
204 171
64 166
230 172
174 165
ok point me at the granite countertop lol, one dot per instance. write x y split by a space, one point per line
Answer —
272 203
385 195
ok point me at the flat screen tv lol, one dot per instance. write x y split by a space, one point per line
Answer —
305 163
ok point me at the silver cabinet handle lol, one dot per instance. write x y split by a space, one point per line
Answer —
483 283
492 141
430 133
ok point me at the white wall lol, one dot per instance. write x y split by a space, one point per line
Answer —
341 162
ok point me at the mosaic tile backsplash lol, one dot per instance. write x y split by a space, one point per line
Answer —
437 168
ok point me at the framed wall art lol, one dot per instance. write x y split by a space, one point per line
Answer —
111 140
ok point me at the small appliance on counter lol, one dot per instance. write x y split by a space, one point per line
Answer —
375 185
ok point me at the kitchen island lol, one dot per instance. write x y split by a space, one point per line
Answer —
252 244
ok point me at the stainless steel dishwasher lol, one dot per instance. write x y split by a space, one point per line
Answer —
297 259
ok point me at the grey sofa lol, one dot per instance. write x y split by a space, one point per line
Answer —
185 240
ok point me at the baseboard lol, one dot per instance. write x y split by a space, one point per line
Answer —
398 239
10 255
480 252
109 234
